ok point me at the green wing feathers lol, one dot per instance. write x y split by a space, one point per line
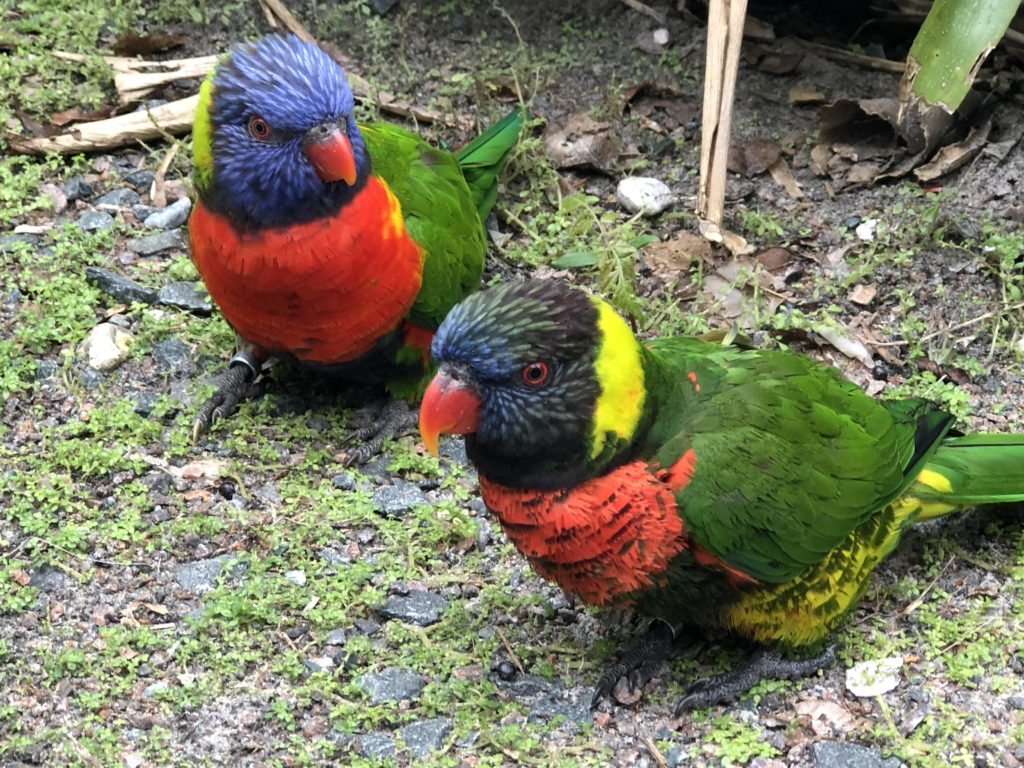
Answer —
482 159
974 469
442 210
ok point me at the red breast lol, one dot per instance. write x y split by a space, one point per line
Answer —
325 290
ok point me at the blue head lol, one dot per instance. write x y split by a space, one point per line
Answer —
275 142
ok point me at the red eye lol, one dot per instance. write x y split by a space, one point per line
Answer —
259 128
535 374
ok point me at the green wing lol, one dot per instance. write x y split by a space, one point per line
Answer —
439 213
790 457
443 213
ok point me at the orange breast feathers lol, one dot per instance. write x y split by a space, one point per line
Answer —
325 290
602 539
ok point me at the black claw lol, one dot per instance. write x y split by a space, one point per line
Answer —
638 664
235 384
394 420
727 687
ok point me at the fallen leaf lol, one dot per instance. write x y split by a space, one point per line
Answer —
953 156
863 294
20 577
873 678
827 718
208 468
667 259
798 95
784 177
131 44
579 141
754 156
80 116
773 259
157 608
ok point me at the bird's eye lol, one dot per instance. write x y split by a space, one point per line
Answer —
259 128
536 373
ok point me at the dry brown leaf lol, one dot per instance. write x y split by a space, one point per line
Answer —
773 259
211 469
20 577
827 718
753 157
784 177
131 44
579 141
669 258
863 294
953 156
805 96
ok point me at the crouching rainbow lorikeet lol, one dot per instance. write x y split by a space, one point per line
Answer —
705 485
324 242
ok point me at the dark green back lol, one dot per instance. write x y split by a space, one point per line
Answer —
790 457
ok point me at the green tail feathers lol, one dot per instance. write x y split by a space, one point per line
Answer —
971 470
483 158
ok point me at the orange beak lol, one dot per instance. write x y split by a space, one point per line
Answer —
448 407
330 152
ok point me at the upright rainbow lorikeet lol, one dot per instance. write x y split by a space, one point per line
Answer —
705 485
335 245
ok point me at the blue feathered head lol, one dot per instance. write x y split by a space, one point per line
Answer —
274 139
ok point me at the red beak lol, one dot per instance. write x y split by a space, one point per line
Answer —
448 407
330 152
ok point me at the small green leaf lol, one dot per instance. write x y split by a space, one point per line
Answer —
575 260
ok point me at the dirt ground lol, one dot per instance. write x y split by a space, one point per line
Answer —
249 601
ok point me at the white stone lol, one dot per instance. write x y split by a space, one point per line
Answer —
661 36
298 578
866 230
873 678
644 195
106 347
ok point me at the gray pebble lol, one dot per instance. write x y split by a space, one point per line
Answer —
11 241
319 664
382 6
172 355
200 575
391 684
335 637
344 481
118 286
188 296
144 403
644 195
376 744
48 579
559 704
142 178
118 198
426 736
417 607
142 212
92 221
1015 702
45 369
150 244
154 688
77 188
174 215
397 500
841 754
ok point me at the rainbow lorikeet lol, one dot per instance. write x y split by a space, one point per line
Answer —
325 242
705 485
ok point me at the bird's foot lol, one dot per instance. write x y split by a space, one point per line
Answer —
729 686
624 680
394 420
237 383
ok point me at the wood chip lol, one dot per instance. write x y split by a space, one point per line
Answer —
863 294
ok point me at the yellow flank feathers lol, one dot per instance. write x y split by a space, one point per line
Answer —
934 480
395 225
202 135
620 373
